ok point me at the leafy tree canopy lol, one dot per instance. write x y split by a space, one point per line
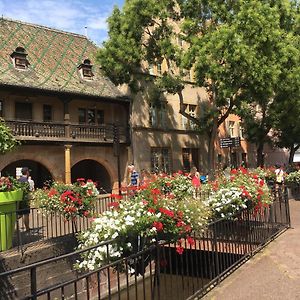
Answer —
7 140
240 51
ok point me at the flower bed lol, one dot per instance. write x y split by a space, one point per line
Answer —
243 189
161 209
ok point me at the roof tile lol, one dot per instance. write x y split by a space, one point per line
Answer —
53 56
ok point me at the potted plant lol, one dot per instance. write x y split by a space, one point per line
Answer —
11 191
71 201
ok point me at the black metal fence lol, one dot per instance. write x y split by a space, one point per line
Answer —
44 226
158 272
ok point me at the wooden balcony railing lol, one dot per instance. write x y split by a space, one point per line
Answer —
28 130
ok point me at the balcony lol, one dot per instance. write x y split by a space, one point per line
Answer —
55 132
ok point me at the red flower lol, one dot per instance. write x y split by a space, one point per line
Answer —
151 210
191 241
167 212
158 225
155 191
188 228
80 179
86 213
52 192
171 196
180 214
233 171
116 196
179 250
243 170
180 224
261 183
145 202
113 204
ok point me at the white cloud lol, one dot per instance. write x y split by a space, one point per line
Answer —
68 15
97 23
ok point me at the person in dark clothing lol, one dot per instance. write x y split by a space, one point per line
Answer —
24 206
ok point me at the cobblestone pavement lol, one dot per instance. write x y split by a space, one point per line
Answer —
273 274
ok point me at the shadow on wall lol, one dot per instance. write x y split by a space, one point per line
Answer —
91 169
38 172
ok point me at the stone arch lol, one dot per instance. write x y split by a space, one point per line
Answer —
94 170
38 171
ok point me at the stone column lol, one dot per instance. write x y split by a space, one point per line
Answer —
68 164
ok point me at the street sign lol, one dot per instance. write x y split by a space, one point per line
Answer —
230 142
236 142
225 143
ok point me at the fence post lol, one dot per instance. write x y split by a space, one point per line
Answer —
287 207
33 283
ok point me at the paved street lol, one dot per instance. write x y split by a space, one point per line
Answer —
274 273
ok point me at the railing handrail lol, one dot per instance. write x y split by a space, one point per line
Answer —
110 124
74 253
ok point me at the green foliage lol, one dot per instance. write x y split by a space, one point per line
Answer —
293 178
241 52
7 139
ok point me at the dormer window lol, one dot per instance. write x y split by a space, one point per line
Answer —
19 58
85 69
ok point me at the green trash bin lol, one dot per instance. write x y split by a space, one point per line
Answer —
8 207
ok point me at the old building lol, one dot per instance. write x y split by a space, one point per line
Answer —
57 102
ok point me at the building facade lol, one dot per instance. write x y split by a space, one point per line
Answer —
71 120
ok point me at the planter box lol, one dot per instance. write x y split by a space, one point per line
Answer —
8 207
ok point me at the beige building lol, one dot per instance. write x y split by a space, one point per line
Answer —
65 112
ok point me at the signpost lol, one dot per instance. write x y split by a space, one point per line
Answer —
230 142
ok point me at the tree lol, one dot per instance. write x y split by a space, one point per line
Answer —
268 111
236 49
7 140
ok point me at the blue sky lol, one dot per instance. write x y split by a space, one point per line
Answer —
68 15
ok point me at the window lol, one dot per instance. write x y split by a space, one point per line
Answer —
159 69
241 131
186 123
190 158
160 160
81 115
100 117
179 42
151 69
86 69
23 111
231 126
47 113
1 108
158 114
19 58
90 116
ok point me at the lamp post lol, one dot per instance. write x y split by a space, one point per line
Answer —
116 150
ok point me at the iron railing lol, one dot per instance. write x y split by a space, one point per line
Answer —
159 272
50 131
46 226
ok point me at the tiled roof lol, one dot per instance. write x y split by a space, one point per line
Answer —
54 56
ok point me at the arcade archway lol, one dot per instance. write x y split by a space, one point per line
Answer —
39 173
91 169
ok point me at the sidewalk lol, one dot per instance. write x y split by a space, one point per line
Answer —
272 274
